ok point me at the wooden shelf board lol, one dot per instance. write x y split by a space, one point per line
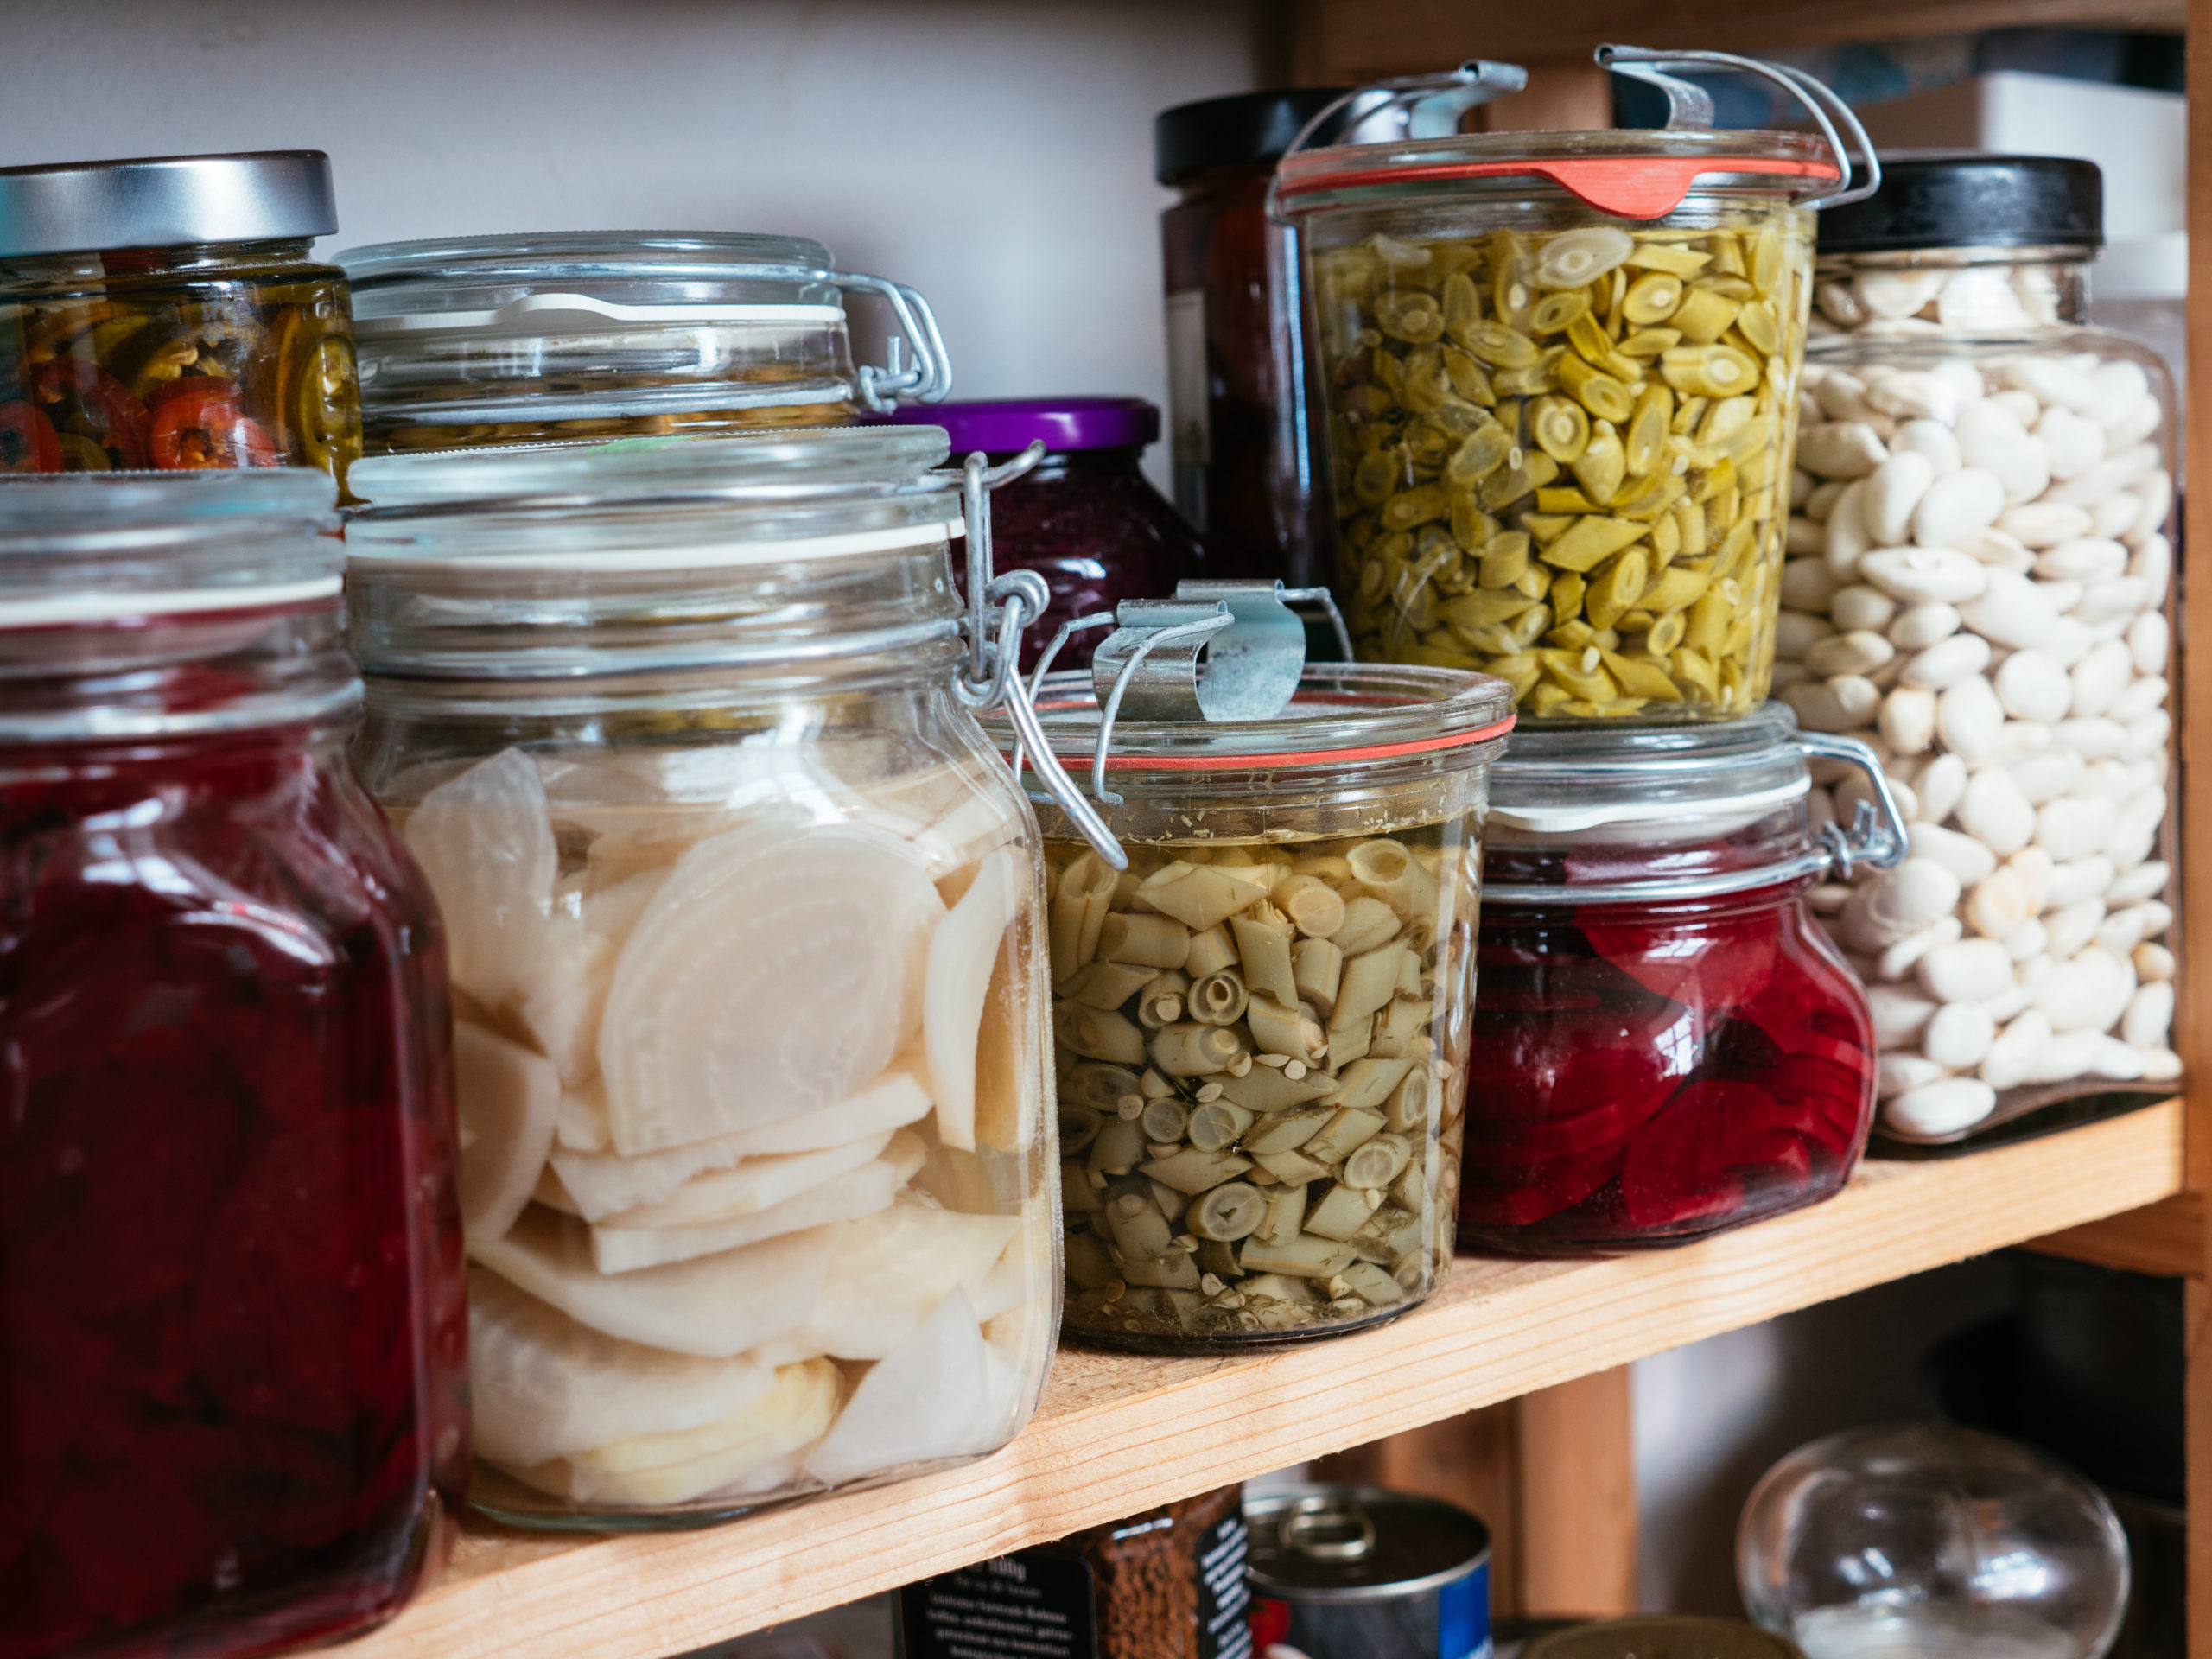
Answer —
1118 1433
1348 41
2167 1238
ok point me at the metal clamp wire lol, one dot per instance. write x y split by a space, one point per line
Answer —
931 377
1068 631
1327 601
1200 630
1432 104
1884 846
1819 99
984 680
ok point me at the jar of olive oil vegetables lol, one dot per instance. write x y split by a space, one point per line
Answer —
1561 373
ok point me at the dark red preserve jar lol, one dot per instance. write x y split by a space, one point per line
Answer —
1665 1044
1085 518
1241 410
232 1409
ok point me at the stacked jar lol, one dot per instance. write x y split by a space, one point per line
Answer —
1979 586
1561 374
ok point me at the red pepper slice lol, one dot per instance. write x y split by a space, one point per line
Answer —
105 399
28 442
201 426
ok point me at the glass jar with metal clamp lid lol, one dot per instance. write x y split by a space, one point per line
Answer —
1668 1043
748 955
1561 373
500 339
1260 1023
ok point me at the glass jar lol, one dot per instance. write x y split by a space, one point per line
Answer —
1669 1047
1981 587
473 341
1085 518
1561 373
233 1351
1260 1025
1243 409
1913 1538
164 314
748 959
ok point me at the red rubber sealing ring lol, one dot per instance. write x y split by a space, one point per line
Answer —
1307 758
1628 187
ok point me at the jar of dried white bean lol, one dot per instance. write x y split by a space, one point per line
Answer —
1980 585
1261 1026
744 922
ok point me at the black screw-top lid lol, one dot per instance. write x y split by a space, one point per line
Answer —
1248 127
1966 198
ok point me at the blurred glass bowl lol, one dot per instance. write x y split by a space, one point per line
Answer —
1922 1541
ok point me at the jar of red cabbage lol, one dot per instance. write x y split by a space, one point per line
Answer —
1085 518
232 1416
1667 1045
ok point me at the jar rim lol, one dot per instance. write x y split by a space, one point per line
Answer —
80 548
1615 171
1344 714
1562 779
390 268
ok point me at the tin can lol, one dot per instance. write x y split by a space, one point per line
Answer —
1341 1572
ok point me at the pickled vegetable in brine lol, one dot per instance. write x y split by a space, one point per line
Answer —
1564 458
107 363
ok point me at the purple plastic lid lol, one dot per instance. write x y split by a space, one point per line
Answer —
1005 426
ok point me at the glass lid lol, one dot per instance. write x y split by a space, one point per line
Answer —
1561 780
477 282
1341 713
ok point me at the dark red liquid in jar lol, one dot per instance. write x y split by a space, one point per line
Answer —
1645 1074
232 1407
1087 522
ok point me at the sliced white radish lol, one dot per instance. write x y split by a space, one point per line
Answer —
715 1307
612 910
582 1125
1011 1049
963 952
483 841
508 1101
891 1268
763 1436
549 1192
769 976
559 1003
755 1185
940 1393
864 1191
545 1387
606 1185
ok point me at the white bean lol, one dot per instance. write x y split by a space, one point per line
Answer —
2074 442
1898 960
1907 720
2153 962
2160 1065
1942 783
2017 1052
1970 721
1894 489
1807 585
1841 448
1965 971
2116 1060
1954 507
1899 1015
1959 657
1995 811
2030 938
2080 877
1930 440
1895 1074
1848 540
2117 514
1957 1036
2083 558
2010 610
1962 856
2070 827
1795 631
2147 694
1919 575
2100 677
2143 882
2090 993
1991 437
1942 1107
2041 524
1921 625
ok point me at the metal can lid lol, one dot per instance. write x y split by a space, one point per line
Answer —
1663 1636
165 201
1344 1543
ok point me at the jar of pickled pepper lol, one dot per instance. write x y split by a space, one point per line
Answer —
1260 1024
1560 373
232 1398
164 313
1666 1043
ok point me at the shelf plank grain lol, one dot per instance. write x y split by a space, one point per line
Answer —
1119 1434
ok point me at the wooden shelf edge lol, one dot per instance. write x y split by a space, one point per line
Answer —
2166 1237
1116 1433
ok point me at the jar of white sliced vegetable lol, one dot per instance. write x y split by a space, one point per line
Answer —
1261 1026
744 924
1980 584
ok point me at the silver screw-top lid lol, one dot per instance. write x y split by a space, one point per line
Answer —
165 201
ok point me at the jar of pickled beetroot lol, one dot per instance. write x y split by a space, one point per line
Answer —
164 313
1085 517
748 959
233 1415
1260 1024
1666 1043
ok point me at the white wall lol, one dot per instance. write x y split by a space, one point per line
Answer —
996 153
